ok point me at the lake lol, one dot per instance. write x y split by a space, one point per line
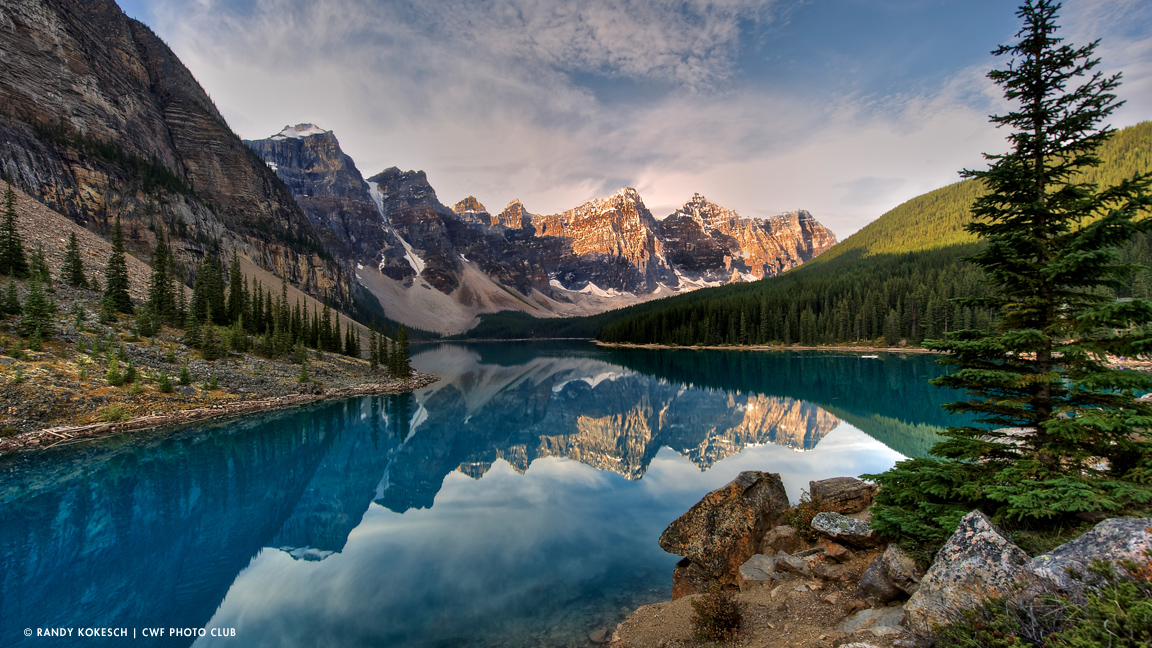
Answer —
517 502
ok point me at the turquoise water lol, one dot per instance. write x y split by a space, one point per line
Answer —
517 502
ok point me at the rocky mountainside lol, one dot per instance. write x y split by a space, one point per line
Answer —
440 266
99 119
718 245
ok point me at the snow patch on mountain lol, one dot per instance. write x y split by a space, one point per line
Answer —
299 131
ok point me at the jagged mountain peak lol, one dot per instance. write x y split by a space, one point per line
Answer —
469 205
513 216
299 131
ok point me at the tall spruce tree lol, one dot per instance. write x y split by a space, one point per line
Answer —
13 261
1057 431
237 301
116 297
73 271
403 369
161 298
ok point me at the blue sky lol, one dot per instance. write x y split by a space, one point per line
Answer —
842 107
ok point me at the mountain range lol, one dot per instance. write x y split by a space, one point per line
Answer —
436 267
99 121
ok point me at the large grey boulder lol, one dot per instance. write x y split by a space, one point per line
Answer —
794 564
723 530
901 569
881 621
977 562
1113 540
843 494
874 582
845 530
759 569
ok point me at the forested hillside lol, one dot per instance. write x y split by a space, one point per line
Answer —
888 284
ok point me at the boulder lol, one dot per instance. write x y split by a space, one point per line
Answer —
831 572
901 569
793 564
1116 539
874 582
845 530
724 529
977 562
837 551
689 578
881 621
758 570
781 538
843 494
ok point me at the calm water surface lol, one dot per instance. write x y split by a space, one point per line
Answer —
517 502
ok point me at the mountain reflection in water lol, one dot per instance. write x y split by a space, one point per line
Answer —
552 467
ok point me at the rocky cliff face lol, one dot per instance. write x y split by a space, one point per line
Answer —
99 119
716 244
615 244
333 194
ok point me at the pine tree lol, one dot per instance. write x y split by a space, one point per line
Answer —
373 349
73 271
257 308
1051 239
40 266
13 262
116 275
38 310
11 304
192 329
161 300
403 369
385 356
324 341
236 296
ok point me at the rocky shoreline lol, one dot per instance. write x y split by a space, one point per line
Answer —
62 435
827 580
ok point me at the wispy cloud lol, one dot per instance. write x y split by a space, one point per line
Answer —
556 102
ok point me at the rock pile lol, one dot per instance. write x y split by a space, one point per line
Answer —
850 587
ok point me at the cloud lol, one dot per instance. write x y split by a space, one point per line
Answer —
555 102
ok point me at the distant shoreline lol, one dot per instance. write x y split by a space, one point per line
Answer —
765 347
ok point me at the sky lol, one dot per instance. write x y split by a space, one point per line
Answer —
845 108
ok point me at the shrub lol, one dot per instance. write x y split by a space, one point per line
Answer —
211 383
718 615
8 431
185 378
19 377
170 357
130 373
166 384
799 517
114 413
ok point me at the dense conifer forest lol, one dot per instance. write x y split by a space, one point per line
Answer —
889 284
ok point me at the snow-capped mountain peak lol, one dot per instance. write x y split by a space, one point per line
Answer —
299 131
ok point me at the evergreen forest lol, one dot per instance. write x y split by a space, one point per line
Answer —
891 284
